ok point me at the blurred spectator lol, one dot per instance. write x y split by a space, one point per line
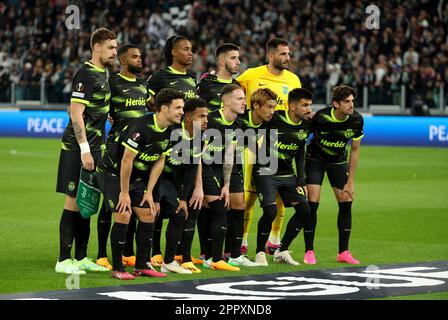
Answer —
329 40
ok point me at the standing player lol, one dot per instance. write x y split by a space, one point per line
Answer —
333 127
123 174
286 147
128 101
276 77
181 186
81 146
176 75
209 88
178 56
228 64
253 121
222 184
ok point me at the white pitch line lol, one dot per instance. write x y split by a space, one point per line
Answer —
29 154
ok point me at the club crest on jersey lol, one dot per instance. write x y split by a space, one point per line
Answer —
349 133
79 87
164 143
303 135
285 89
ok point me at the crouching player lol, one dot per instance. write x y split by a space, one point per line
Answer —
284 142
123 173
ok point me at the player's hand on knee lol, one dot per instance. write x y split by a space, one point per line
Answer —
147 197
156 208
225 194
348 191
197 198
87 161
124 203
182 206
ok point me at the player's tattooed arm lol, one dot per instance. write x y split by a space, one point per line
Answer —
76 110
80 132
76 115
228 163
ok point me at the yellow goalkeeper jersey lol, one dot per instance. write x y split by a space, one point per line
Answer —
260 77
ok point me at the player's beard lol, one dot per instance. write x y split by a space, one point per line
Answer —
280 66
134 69
229 70
108 63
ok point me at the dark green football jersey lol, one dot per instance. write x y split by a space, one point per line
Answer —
182 159
184 150
171 78
248 137
219 133
330 136
143 137
128 101
245 123
209 89
91 88
287 145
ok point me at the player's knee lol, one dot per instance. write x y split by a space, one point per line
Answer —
302 212
219 221
123 218
158 225
70 204
178 218
269 212
313 193
104 215
238 206
144 215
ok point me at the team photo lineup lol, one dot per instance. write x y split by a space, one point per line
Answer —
200 154
208 153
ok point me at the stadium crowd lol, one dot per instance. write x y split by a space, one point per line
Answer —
330 42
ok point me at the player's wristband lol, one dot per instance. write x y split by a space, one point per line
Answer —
85 148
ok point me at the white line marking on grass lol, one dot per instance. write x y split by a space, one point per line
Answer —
29 154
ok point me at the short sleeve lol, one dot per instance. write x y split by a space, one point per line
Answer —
359 132
83 87
135 139
154 83
243 80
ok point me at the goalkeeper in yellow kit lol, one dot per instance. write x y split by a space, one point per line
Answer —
276 77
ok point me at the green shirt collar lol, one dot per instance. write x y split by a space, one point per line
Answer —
175 71
156 126
334 117
127 79
95 67
251 122
224 120
289 119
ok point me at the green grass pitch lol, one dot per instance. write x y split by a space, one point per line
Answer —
400 215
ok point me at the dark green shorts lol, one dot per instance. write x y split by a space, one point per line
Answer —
68 171
110 187
337 173
268 185
212 180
